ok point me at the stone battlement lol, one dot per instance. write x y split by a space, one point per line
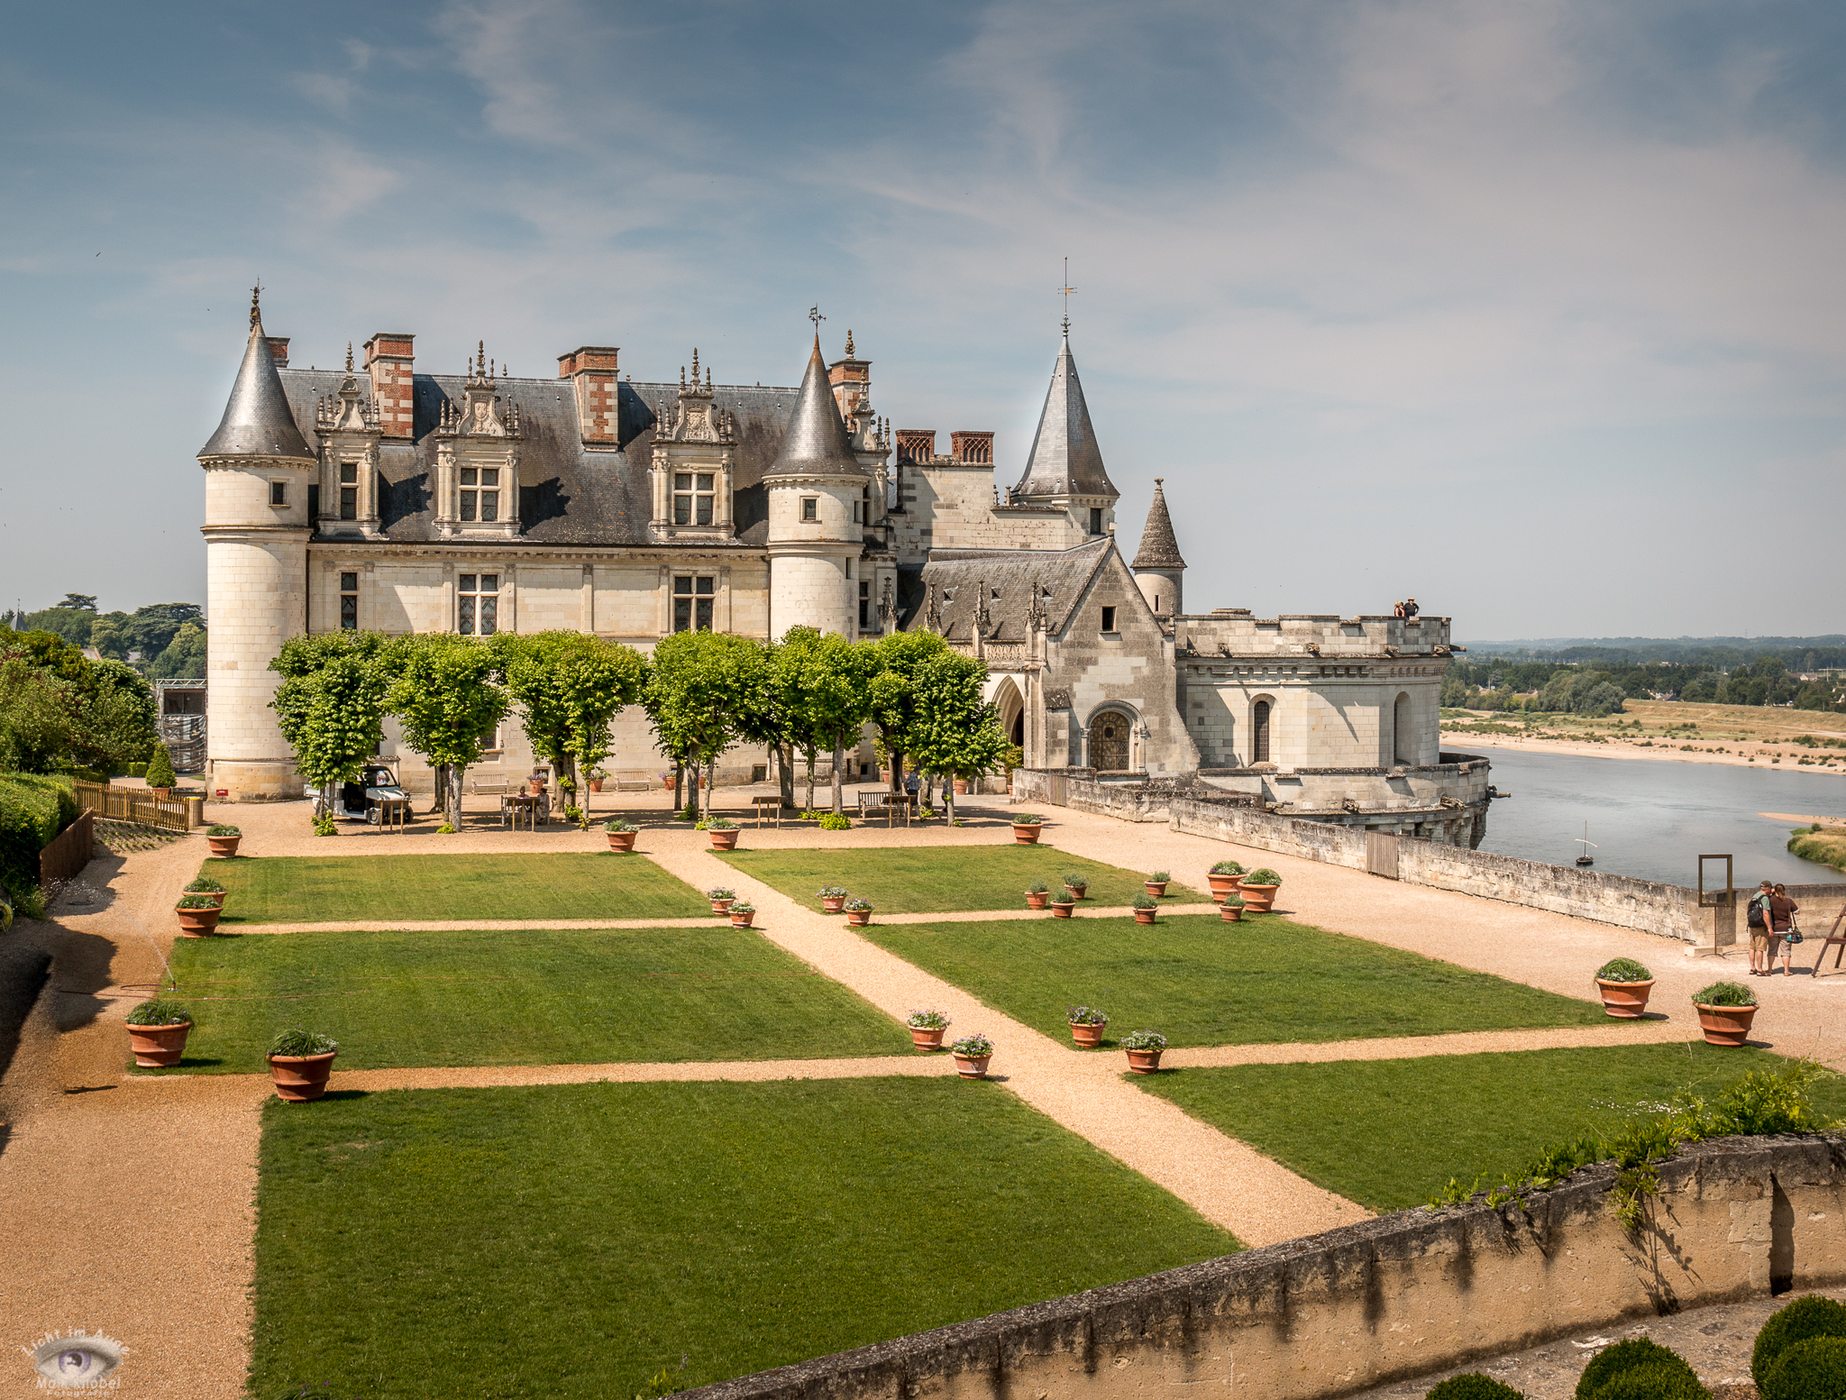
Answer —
1238 632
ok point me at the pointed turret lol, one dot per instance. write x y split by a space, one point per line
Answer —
1158 568
1065 460
257 421
815 443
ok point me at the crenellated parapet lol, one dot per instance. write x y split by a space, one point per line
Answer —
1236 632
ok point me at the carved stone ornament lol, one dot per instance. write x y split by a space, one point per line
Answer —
1057 698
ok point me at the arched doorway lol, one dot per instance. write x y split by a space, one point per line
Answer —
1259 731
1109 744
1403 740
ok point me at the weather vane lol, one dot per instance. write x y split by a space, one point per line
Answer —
815 316
1065 292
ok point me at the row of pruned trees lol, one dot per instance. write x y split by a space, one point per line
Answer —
806 695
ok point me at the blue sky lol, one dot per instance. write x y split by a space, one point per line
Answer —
1534 310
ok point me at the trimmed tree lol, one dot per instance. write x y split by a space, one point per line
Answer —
704 691
891 693
569 688
160 772
819 685
332 701
448 697
954 731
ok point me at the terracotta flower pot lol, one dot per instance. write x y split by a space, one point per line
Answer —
1077 891
1026 834
1157 888
596 784
223 845
197 923
301 1078
1145 916
1626 1000
161 794
1725 1025
1088 1036
722 906
1144 1061
832 905
926 1037
961 787
724 840
1060 909
858 918
1231 913
1221 885
1037 899
742 920
621 840
972 1066
157 1047
1258 899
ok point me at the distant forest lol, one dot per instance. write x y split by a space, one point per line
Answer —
163 641
1826 653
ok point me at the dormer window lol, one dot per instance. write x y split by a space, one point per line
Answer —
349 490
695 496
480 494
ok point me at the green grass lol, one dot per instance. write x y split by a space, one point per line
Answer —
572 1241
1390 1133
1202 981
938 879
330 889
526 997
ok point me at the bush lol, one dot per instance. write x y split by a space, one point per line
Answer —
618 825
1262 876
33 810
1144 901
1074 881
858 906
1159 877
222 830
974 1046
299 1042
1474 1386
717 824
329 825
931 1020
160 772
1814 1369
1800 1320
742 906
1086 1016
1655 1381
1143 1040
1624 970
197 901
204 885
1234 901
1634 1354
1038 887
831 892
1027 819
159 1012
1724 994
835 821
1227 867
720 892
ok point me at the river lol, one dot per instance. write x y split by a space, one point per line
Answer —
1652 818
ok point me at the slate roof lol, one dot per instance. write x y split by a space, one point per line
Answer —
959 575
815 442
1065 459
257 421
1159 550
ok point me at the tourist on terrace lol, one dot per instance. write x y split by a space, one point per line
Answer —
1781 925
1762 958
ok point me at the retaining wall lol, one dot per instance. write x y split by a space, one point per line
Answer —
1396 1297
69 851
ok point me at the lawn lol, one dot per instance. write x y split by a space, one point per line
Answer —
573 1241
329 889
1202 981
526 997
1419 1122
938 879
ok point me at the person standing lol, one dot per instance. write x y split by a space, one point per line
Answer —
1757 920
1781 923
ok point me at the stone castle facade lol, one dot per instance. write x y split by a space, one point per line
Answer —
387 498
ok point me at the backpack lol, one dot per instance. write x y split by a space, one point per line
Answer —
1758 906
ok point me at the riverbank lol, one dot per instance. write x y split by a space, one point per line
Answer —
1826 846
1740 754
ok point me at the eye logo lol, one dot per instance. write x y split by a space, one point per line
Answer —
76 1361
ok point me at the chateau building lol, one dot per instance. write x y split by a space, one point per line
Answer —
382 497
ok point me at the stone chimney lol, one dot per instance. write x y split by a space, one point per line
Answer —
278 350
916 445
390 360
972 449
850 378
591 370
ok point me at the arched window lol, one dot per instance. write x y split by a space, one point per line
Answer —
1259 732
1403 737
1109 744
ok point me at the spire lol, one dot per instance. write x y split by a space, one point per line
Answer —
816 440
1065 460
1159 550
257 421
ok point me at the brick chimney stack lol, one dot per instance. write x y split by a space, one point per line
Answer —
278 350
972 449
390 360
916 444
591 370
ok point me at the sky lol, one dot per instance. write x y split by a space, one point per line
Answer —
1532 309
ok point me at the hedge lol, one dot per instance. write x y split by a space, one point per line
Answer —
33 810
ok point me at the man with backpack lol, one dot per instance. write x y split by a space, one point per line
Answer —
1762 949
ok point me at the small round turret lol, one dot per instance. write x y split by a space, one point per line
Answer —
1159 570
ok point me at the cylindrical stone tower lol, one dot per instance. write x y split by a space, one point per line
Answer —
1159 571
814 543
257 470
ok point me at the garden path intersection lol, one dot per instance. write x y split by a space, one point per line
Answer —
155 1246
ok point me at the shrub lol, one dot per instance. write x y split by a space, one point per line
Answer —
617 824
196 901
1474 1386
159 1012
1263 876
836 821
1143 1040
160 772
1234 901
1027 819
1724 994
1159 877
299 1042
1227 867
1144 901
446 829
974 1046
329 825
1655 1381
33 810
1624 970
1086 1016
222 830
720 892
1063 899
858 906
1632 1354
717 824
205 885
742 906
1038 887
1800 1320
831 892
931 1020
1811 1370
1074 881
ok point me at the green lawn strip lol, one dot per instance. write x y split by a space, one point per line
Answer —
938 879
553 996
1201 981
1390 1133
571 1241
330 889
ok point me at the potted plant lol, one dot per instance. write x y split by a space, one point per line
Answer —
160 775
1725 1012
1231 910
723 833
1624 984
1225 876
1076 884
621 834
300 1062
742 913
832 898
1259 890
1156 884
198 915
223 840
597 777
721 899
1026 827
1062 906
157 1032
926 1028
1146 908
209 888
972 1052
858 912
1143 1049
1038 895
1086 1025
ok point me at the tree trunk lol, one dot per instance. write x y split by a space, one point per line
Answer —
711 783
440 774
455 795
809 753
948 801
839 762
785 776
897 772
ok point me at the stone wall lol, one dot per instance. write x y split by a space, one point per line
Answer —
1397 1297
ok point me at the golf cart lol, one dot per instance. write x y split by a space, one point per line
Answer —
374 797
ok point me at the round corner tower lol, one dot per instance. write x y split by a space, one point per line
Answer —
257 470
1159 571
813 486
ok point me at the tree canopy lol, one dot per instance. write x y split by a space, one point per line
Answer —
332 701
60 712
569 687
447 694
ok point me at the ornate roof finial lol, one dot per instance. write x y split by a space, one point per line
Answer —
349 357
708 377
850 352
1065 292
814 315
480 359
256 308
695 364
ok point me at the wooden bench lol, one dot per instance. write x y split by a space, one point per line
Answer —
767 808
874 804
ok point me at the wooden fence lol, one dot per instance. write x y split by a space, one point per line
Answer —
137 805
68 852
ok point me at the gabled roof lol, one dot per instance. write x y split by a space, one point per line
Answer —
257 421
1159 550
1065 460
816 441
1009 577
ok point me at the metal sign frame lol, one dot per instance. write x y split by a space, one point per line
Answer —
1710 899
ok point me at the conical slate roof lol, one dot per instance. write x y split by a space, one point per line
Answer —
1065 460
816 441
1159 550
257 421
